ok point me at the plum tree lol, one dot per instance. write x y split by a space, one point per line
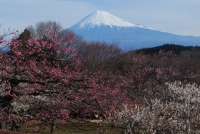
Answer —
44 80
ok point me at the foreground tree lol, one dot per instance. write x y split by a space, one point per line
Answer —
45 84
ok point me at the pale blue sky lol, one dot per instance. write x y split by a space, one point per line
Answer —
174 16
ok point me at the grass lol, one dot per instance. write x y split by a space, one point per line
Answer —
88 128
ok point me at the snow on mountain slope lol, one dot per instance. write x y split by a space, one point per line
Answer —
104 18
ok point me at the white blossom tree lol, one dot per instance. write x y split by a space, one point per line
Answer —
180 113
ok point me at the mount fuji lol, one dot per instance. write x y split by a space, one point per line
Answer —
103 26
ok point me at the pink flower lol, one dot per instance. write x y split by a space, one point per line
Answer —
1 56
1 39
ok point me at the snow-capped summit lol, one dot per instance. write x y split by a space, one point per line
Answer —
104 18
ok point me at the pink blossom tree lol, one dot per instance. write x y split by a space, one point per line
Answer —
147 74
45 84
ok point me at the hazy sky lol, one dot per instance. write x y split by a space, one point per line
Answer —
174 16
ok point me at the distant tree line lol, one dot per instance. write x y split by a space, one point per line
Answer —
177 49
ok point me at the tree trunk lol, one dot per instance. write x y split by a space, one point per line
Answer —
1 125
53 126
13 126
